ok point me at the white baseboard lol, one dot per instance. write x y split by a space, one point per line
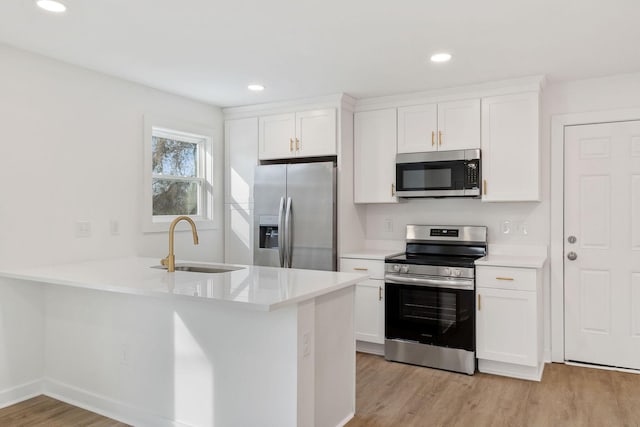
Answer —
370 347
20 393
105 406
531 373
346 420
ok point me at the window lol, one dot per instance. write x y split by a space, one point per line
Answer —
178 175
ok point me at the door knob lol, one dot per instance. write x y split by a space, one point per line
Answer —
572 256
571 239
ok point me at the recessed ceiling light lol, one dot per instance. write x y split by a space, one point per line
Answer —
51 6
255 87
441 57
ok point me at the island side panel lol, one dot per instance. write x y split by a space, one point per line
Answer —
21 340
161 361
335 363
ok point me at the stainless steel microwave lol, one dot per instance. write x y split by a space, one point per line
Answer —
438 174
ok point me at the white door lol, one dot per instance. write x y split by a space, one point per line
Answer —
417 128
602 213
316 133
369 311
459 125
374 164
277 136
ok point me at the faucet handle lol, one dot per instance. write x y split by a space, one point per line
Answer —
164 261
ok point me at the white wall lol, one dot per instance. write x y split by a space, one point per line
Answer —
72 150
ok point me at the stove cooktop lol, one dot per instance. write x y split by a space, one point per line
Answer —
436 260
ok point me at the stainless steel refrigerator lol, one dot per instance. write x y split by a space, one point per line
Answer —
295 215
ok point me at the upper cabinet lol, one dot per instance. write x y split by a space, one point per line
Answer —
451 125
511 148
375 156
302 134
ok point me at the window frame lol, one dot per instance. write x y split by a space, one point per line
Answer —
205 173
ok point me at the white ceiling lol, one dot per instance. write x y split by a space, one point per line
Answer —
210 50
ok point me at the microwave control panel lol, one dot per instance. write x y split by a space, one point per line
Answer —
472 174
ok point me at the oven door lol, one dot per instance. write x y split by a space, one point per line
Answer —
433 315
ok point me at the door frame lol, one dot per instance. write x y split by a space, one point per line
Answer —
558 124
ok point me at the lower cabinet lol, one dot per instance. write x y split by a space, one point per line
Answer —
369 304
369 319
509 322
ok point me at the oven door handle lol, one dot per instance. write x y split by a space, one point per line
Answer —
431 282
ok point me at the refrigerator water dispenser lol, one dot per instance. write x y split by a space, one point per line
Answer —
268 232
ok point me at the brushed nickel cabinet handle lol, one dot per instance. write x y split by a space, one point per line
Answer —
393 190
297 144
484 185
504 278
433 138
479 303
290 144
360 269
439 137
379 293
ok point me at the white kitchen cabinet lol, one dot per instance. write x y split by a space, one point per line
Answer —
301 134
241 158
369 300
446 126
369 311
238 236
509 321
511 148
374 156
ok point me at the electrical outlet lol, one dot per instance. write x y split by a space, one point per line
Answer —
114 226
305 344
388 225
83 229
124 354
505 227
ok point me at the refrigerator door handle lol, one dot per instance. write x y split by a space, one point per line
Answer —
281 217
288 233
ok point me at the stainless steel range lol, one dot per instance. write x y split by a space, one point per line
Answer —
430 297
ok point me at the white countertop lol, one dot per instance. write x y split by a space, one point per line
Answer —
252 287
377 254
522 261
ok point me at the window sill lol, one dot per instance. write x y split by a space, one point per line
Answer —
163 226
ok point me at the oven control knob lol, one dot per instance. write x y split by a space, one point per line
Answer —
404 269
457 273
395 268
446 271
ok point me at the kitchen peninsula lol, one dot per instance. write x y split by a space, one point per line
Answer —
252 346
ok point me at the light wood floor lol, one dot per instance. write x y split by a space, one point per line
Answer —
43 411
395 394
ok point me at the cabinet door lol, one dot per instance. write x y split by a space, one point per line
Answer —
277 136
510 148
418 128
316 133
241 158
369 311
459 125
506 326
238 236
375 156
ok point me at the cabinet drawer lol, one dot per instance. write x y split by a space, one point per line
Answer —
523 279
373 267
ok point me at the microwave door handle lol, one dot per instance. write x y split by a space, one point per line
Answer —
281 248
289 232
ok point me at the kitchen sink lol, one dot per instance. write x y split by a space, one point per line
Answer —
195 268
